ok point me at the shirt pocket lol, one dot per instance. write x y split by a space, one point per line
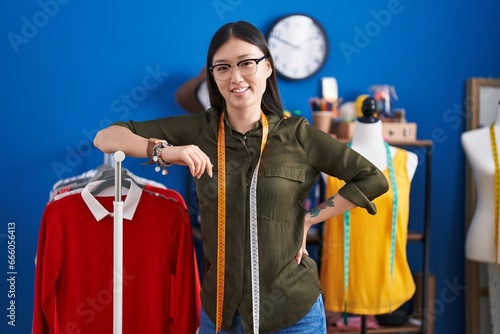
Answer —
278 191
291 173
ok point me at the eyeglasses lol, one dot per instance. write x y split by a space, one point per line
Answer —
246 67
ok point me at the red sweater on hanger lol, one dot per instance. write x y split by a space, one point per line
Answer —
74 271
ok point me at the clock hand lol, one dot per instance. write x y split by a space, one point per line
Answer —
305 41
285 42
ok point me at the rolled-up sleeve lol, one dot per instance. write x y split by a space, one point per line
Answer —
364 181
177 130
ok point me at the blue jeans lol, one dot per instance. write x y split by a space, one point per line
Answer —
314 322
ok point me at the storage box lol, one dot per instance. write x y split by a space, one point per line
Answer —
399 131
392 131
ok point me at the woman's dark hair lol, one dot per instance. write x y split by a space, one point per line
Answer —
244 31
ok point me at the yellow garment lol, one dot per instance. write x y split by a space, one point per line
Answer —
370 290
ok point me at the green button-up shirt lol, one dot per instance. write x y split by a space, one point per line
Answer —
294 156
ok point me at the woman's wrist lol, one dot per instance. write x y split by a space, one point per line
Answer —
154 151
163 155
308 220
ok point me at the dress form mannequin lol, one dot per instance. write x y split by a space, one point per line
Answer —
480 240
369 236
368 139
480 245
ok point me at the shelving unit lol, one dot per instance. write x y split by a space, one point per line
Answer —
427 326
408 328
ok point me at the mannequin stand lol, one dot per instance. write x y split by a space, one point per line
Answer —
363 324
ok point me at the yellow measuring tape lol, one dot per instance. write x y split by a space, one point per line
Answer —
221 221
497 185
221 225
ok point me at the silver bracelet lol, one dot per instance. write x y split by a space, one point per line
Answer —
156 156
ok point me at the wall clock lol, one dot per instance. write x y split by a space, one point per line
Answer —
299 46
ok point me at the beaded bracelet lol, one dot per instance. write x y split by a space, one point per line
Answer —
160 163
155 148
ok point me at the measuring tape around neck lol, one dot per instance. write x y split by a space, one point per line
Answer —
221 230
221 222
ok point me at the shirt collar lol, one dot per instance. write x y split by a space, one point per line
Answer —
129 205
272 120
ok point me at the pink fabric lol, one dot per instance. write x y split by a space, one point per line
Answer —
354 323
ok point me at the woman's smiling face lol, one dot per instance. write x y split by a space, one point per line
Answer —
241 92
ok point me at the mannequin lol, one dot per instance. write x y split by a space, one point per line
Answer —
372 289
480 245
368 139
480 241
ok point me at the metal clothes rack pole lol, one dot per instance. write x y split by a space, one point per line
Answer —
119 156
363 324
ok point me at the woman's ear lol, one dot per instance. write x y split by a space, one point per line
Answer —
269 68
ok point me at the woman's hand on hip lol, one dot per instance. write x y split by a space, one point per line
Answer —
303 249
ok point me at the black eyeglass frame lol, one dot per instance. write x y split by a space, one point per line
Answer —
256 60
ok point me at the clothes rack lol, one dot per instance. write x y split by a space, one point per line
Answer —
119 156
73 289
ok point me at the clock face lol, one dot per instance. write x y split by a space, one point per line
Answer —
299 46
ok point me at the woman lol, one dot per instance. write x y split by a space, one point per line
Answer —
259 276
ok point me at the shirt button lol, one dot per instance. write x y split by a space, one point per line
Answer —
245 137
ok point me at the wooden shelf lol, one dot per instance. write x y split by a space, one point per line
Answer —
413 236
407 328
417 143
408 143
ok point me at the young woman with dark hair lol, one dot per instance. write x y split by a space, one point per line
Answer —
253 169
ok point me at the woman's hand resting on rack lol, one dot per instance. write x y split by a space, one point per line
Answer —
116 137
189 155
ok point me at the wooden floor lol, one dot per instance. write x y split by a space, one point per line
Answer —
408 328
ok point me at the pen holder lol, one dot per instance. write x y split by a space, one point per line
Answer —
323 112
322 120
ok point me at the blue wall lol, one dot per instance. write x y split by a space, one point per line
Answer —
69 68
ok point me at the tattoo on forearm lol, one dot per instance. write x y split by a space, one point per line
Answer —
328 203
